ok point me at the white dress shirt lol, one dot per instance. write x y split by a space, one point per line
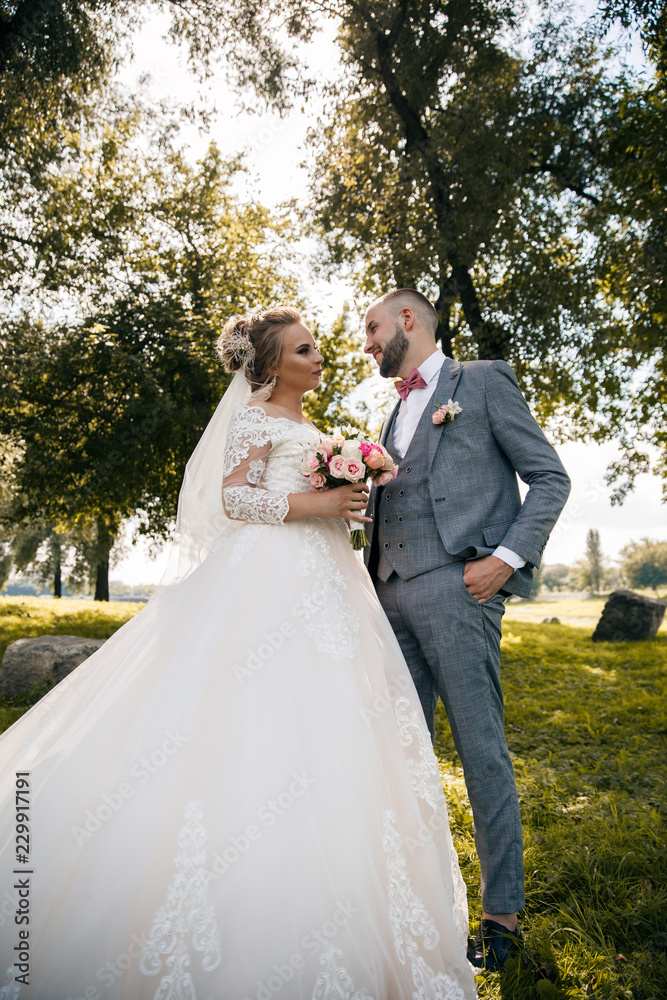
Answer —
409 414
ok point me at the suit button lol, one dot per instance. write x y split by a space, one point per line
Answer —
400 545
387 496
386 545
386 520
400 520
409 469
401 493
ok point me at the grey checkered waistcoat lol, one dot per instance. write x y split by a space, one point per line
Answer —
408 538
460 498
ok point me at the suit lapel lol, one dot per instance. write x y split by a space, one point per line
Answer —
445 389
385 433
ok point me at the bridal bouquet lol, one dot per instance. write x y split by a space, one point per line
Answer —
338 460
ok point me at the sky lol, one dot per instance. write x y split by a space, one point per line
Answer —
275 149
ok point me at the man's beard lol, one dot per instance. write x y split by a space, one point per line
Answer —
393 354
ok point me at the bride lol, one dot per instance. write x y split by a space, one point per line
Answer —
236 798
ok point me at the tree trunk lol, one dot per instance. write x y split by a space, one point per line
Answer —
57 568
492 340
102 580
104 543
443 307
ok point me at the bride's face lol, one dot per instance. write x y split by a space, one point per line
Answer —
300 367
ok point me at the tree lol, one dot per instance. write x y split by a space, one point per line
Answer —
497 173
649 16
556 577
635 262
591 568
644 563
538 582
38 549
105 410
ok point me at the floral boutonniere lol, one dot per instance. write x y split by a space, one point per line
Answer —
443 414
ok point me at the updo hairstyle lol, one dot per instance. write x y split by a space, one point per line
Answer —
254 343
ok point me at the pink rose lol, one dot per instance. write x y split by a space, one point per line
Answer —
440 414
374 457
354 470
314 462
337 466
384 478
317 481
327 447
388 460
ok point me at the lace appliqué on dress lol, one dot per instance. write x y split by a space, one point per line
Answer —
250 503
426 784
250 429
424 773
247 536
247 448
328 620
410 921
255 471
11 990
187 914
335 983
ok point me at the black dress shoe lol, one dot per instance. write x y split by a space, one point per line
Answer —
493 946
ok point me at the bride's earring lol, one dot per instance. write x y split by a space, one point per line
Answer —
265 392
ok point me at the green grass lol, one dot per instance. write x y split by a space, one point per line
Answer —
586 726
587 729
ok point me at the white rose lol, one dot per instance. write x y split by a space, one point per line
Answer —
351 449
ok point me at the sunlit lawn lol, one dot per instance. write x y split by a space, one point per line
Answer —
587 727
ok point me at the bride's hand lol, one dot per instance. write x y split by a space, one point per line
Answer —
348 502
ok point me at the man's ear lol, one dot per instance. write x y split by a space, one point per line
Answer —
408 318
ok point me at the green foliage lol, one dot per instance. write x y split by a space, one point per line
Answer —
556 577
650 16
516 179
537 582
645 564
52 54
591 570
155 254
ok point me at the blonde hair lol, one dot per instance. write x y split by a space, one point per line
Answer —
254 343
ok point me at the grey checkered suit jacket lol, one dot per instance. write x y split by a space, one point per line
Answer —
472 476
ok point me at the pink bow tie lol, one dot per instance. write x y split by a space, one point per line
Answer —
405 386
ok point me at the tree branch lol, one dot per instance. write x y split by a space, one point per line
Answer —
566 185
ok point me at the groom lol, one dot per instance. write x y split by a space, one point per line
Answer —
450 540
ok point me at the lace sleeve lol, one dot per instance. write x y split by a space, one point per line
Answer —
248 447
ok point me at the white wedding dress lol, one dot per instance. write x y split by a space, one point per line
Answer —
236 797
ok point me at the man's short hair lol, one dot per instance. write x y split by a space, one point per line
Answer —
410 298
